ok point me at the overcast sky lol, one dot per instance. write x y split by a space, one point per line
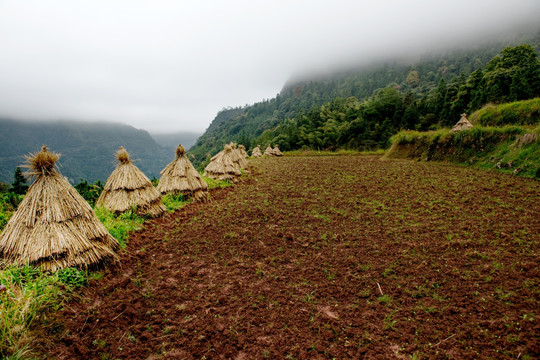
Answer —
172 65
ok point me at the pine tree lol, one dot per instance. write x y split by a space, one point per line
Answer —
19 185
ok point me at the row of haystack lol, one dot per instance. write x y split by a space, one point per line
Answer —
54 227
256 152
228 164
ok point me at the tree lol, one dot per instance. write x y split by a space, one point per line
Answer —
514 75
413 78
19 185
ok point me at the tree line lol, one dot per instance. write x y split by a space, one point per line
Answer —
353 123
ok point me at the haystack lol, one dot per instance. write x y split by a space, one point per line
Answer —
128 188
276 151
222 167
243 152
54 227
180 177
462 124
269 151
256 152
238 158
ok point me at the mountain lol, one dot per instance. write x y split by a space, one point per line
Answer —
172 140
417 83
87 149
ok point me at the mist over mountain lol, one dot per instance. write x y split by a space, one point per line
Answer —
171 140
87 149
429 82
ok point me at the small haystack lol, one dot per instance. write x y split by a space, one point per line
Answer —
222 167
243 152
269 151
127 188
238 158
180 177
54 227
462 124
256 152
276 151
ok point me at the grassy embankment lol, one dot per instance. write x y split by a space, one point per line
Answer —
504 138
30 294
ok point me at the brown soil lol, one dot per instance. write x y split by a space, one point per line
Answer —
321 258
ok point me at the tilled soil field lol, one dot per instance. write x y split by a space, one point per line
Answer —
323 258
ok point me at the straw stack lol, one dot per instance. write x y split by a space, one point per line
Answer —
256 152
462 124
269 151
243 152
222 167
54 227
128 188
180 177
238 158
276 151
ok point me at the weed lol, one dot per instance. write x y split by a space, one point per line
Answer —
389 321
72 276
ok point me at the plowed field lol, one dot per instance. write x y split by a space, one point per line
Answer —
322 258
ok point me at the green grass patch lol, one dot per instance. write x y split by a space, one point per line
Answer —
119 226
216 184
525 112
28 295
511 149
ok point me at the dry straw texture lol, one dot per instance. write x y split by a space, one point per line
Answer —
243 152
269 151
128 188
222 167
276 151
238 158
54 227
462 124
256 152
180 177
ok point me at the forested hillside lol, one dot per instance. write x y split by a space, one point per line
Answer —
362 108
87 149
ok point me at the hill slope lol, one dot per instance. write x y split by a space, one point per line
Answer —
87 149
440 76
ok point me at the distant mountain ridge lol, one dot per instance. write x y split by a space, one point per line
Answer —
302 96
87 149
170 141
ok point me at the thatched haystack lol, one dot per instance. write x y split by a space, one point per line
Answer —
243 152
276 151
238 158
462 124
54 227
127 187
256 152
269 151
222 167
180 177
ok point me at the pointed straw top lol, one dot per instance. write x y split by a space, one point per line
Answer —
180 151
123 156
41 163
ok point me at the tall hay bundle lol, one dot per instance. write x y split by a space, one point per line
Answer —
243 152
127 187
276 151
180 177
238 159
462 124
54 227
269 151
222 167
256 152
